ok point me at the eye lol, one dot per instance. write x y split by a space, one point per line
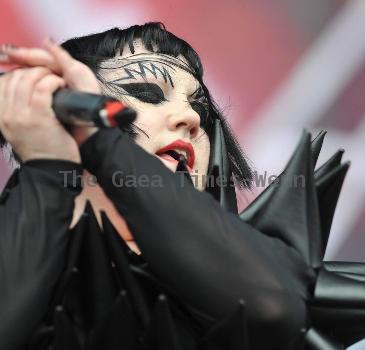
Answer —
145 92
202 110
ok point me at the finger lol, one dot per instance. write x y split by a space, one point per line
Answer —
77 75
28 57
31 76
3 84
4 48
12 83
17 90
4 58
18 84
43 91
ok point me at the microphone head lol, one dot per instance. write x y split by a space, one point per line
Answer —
125 118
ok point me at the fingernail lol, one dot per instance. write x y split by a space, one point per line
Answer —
3 56
7 48
51 41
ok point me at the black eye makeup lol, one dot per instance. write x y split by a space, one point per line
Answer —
145 92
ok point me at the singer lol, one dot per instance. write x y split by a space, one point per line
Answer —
188 272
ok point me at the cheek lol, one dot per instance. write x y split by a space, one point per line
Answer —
150 127
203 152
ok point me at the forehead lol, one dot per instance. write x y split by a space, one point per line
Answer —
143 64
140 50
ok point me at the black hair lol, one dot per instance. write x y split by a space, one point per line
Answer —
93 49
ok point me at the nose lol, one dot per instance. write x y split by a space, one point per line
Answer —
186 120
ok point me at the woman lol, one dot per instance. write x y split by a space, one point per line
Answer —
216 269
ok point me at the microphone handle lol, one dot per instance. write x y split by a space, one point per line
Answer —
80 108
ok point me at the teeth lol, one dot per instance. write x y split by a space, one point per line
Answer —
182 152
175 153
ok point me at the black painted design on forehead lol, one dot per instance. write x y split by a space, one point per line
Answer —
159 59
143 67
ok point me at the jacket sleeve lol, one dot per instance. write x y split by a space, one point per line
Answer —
36 209
205 255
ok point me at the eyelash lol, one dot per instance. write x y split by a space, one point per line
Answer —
145 92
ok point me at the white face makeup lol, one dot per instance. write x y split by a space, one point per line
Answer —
170 104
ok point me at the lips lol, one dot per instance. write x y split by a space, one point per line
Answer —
173 150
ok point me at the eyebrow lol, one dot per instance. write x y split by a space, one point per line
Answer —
143 67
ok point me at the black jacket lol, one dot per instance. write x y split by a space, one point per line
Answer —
209 262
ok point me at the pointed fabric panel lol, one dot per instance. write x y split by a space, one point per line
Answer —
317 146
42 338
65 336
355 270
329 165
328 190
316 340
229 334
76 241
119 254
336 290
95 270
328 182
289 209
118 330
262 199
219 177
162 333
339 301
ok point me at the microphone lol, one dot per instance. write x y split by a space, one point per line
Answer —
84 109
79 108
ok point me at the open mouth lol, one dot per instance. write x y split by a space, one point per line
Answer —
177 151
174 157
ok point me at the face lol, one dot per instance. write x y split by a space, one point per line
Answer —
170 104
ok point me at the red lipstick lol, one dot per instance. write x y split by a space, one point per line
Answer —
182 146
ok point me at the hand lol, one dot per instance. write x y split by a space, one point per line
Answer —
77 75
27 120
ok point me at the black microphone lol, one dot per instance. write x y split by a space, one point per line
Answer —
79 108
